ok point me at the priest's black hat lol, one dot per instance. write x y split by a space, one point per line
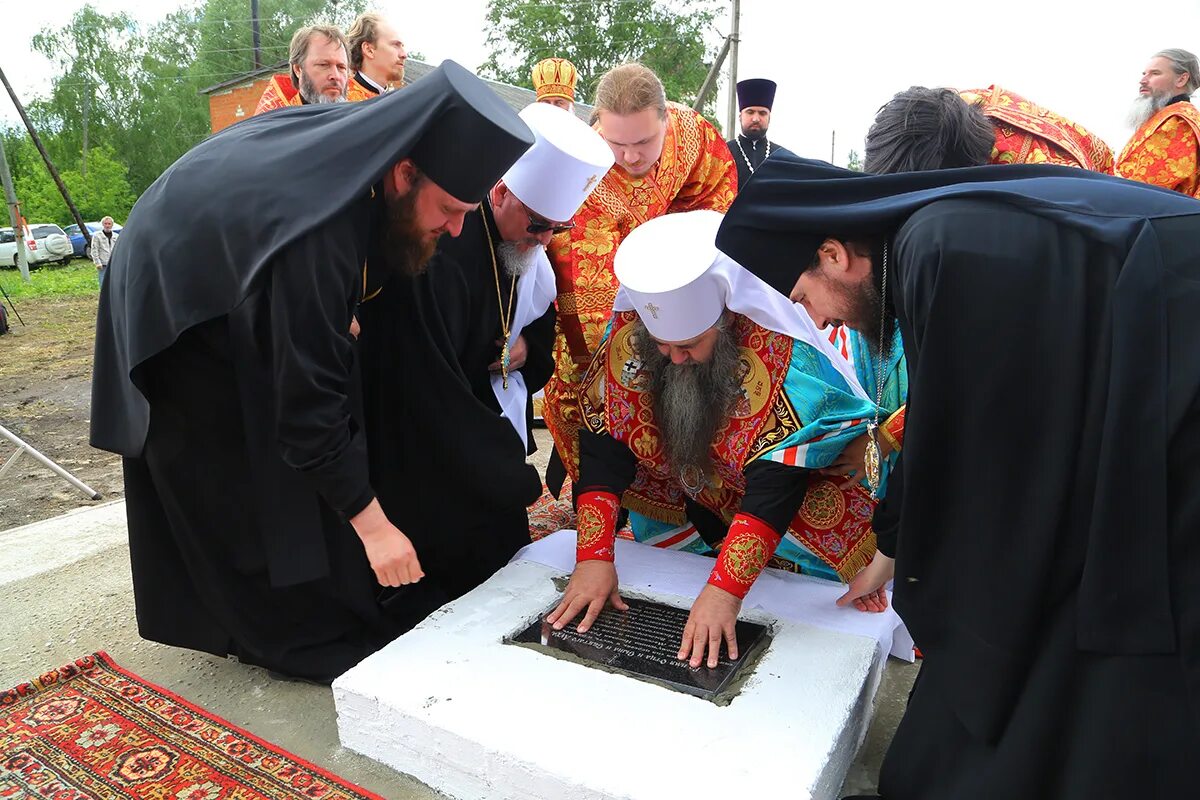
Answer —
450 152
752 236
756 92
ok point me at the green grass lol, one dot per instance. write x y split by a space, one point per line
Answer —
77 279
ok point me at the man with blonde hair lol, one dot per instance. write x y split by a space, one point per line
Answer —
1165 147
668 159
319 69
377 56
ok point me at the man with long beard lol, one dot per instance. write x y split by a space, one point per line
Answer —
1049 491
226 374
318 71
668 158
449 359
709 406
1165 147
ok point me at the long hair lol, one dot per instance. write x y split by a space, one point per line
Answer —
1182 61
922 129
630 88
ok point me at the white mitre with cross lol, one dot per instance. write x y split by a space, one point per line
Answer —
565 164
679 283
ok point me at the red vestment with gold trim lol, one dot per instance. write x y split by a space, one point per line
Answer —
1027 133
1165 151
695 171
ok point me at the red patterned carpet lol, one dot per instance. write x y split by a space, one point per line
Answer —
92 730
548 515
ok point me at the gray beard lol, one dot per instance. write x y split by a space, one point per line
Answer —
515 260
1145 107
313 97
691 401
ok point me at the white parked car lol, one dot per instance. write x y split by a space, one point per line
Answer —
43 243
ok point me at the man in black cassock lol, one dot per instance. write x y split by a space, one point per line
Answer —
226 374
1048 494
448 434
751 147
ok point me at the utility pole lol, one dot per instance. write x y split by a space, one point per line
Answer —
14 214
731 130
254 31
832 145
37 141
710 79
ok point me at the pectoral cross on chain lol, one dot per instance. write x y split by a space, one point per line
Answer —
653 309
587 187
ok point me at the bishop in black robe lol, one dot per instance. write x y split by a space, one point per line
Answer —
1048 493
447 466
226 374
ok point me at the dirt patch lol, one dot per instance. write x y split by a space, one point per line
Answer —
45 398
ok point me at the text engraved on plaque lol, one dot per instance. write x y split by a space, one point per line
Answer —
643 643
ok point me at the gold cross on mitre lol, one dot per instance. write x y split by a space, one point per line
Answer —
587 187
653 309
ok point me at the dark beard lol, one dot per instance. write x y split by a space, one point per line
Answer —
754 136
691 401
405 247
867 310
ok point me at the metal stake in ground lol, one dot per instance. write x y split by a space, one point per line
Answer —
13 306
24 447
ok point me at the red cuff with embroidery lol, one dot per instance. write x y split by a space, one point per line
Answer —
596 525
893 429
747 549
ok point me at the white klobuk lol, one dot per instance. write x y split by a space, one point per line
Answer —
474 718
552 179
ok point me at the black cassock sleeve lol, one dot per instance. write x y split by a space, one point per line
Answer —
314 286
605 465
774 492
886 519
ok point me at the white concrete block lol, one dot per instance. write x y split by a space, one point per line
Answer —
56 542
474 718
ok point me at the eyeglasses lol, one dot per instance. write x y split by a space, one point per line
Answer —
538 225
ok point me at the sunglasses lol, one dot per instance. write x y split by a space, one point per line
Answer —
538 225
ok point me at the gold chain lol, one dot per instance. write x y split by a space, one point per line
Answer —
505 315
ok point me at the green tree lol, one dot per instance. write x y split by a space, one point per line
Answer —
854 161
137 92
104 190
600 34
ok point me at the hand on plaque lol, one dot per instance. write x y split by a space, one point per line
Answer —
867 590
713 618
593 583
851 462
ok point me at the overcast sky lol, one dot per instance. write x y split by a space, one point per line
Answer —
835 62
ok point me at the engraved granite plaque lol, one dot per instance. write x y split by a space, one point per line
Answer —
643 643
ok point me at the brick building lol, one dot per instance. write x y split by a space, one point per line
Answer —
235 99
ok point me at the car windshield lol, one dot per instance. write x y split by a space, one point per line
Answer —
71 230
42 231
7 235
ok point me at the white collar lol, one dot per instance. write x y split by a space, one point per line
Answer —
367 79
